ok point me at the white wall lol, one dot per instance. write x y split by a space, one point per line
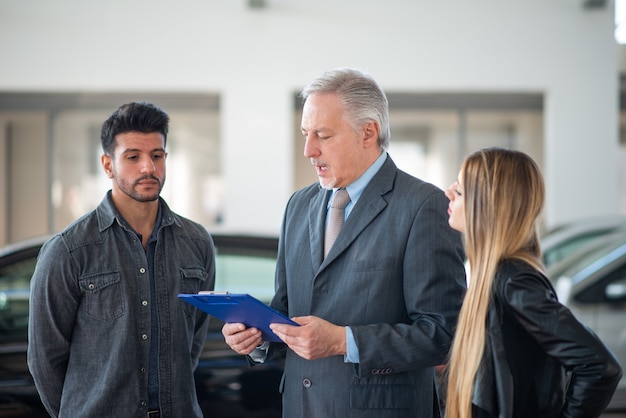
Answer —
256 60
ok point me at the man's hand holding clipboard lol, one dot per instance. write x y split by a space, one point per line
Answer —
240 308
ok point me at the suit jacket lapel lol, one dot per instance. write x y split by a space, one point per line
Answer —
317 218
369 205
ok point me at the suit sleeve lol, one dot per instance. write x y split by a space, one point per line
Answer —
433 282
279 300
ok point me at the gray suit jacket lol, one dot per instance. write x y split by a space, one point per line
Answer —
395 275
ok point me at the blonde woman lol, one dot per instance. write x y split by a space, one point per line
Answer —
517 351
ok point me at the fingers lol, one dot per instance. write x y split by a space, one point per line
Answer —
314 338
240 339
280 331
300 339
230 329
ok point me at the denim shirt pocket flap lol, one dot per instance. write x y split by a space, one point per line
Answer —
192 279
93 283
103 296
194 273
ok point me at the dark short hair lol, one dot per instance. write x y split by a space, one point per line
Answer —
135 116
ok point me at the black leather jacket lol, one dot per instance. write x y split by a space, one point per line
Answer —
540 361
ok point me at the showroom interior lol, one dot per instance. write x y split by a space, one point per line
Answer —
547 77
541 76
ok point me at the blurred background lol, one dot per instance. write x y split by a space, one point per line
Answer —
547 77
542 76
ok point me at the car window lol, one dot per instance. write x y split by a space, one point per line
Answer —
14 292
239 273
560 251
611 288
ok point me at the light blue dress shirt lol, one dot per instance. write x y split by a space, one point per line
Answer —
355 190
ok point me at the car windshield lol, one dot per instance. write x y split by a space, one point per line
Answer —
559 243
14 291
236 273
589 258
562 250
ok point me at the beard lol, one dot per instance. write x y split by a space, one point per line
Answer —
131 189
328 185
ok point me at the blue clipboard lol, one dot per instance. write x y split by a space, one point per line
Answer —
239 307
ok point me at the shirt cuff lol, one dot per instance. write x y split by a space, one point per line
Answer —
352 351
259 355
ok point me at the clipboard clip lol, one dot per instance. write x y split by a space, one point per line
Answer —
213 292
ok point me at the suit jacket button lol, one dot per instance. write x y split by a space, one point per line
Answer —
306 383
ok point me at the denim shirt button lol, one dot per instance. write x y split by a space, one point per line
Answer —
92 286
144 403
142 270
144 302
142 370
144 336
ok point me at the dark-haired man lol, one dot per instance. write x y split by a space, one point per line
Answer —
108 336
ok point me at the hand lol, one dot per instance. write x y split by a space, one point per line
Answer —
315 338
241 339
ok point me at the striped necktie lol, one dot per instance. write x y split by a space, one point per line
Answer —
336 217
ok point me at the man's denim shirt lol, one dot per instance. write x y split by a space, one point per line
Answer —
89 326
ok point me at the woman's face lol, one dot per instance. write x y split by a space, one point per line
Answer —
456 207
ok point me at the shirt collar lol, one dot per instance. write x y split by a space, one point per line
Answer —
107 214
355 189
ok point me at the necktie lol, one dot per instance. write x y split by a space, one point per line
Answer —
335 220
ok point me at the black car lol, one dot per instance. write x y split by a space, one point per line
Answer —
226 385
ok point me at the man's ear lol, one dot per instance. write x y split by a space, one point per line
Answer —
107 165
370 134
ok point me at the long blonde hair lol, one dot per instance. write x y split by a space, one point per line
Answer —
504 196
